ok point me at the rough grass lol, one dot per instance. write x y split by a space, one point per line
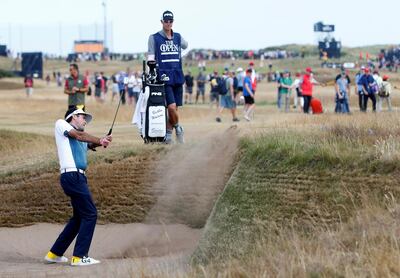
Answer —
309 204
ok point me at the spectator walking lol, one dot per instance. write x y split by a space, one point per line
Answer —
248 94
48 79
28 83
227 101
253 77
240 75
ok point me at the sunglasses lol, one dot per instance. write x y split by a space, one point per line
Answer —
168 21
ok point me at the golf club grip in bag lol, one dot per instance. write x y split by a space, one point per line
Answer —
156 114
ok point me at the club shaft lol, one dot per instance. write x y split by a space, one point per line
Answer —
115 116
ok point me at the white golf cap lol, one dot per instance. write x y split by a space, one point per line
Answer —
239 69
88 117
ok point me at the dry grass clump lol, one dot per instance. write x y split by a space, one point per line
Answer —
119 183
16 143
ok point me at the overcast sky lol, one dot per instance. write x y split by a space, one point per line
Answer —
52 25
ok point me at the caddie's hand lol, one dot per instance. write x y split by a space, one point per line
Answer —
106 140
74 89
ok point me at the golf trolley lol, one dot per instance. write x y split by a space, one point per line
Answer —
154 127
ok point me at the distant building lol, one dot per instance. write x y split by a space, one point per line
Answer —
92 47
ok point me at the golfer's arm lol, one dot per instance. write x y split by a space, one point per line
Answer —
84 137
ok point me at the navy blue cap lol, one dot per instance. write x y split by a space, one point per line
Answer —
167 15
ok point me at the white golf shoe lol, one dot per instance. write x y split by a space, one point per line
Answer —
52 258
76 261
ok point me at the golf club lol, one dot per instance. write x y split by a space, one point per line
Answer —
115 116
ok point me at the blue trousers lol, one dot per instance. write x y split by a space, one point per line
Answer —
83 221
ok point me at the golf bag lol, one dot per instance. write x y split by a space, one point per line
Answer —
151 106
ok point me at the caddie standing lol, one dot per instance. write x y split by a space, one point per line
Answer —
165 48
72 146
76 86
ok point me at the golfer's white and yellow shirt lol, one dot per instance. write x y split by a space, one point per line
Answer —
71 152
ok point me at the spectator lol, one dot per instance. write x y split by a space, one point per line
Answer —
214 93
201 85
385 93
253 77
28 83
115 87
307 83
285 86
98 87
369 87
188 87
359 88
342 89
228 100
76 86
298 97
248 95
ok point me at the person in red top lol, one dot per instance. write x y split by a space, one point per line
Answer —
253 77
28 82
307 83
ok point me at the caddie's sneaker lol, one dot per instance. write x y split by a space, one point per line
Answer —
76 261
168 137
52 258
179 134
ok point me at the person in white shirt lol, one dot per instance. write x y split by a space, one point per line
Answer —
134 86
298 97
72 146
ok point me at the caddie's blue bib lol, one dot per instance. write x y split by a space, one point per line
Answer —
168 57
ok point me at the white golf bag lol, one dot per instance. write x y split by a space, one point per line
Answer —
151 110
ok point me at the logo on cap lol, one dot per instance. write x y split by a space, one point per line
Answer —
167 15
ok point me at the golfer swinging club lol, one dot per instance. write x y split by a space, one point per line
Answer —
72 145
165 48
